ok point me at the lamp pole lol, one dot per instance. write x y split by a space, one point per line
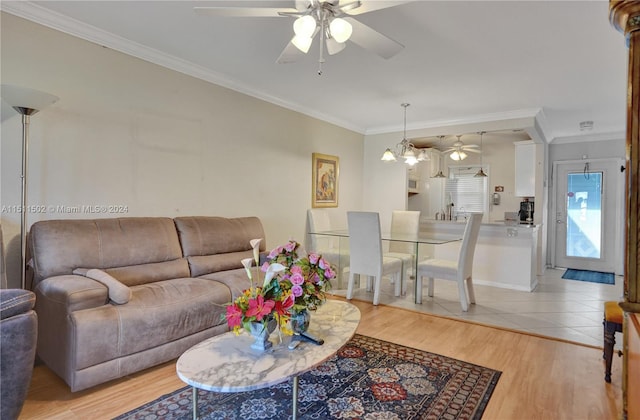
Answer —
26 119
26 102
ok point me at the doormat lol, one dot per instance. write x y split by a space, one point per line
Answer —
591 276
367 378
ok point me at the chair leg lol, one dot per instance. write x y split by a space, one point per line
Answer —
470 291
350 285
462 292
609 342
430 287
418 288
399 278
376 288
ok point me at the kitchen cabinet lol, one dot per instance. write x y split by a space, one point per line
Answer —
525 169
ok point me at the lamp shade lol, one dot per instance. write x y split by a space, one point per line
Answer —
25 100
301 43
304 26
340 29
388 156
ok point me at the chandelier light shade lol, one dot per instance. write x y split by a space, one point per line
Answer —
405 149
458 155
26 102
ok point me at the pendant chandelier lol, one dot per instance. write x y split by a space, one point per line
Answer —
405 149
439 174
480 173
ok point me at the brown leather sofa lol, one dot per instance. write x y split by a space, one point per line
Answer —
170 277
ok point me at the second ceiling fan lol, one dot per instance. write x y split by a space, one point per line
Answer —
329 18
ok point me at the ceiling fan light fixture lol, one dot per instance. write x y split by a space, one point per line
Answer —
301 43
304 26
458 155
334 47
340 29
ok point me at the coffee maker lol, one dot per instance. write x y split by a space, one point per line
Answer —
526 211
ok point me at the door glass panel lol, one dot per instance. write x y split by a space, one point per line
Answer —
584 214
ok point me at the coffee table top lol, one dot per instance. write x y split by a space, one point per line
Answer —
226 362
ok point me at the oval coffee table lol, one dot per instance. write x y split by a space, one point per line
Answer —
226 362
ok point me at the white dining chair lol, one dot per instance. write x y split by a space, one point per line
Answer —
404 222
459 271
365 249
318 220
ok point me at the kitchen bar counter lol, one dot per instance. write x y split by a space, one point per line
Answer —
506 255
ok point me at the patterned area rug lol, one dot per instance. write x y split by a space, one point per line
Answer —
366 379
591 276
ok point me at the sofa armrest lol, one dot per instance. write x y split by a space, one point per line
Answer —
15 302
72 292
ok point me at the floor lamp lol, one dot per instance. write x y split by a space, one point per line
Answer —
27 102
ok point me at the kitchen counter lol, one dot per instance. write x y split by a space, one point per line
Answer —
506 255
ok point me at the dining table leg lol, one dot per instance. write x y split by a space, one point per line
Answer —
195 402
294 405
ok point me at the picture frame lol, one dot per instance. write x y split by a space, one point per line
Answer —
325 175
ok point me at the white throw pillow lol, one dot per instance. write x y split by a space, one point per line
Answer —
118 292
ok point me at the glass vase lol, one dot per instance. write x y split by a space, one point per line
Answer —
300 321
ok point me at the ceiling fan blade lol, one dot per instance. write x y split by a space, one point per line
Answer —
373 40
471 150
368 6
290 54
242 11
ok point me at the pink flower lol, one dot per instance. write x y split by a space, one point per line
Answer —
329 273
296 269
313 258
259 308
297 279
290 246
274 252
324 264
234 316
264 267
296 291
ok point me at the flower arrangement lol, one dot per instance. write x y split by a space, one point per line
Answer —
291 284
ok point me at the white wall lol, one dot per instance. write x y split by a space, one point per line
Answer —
127 132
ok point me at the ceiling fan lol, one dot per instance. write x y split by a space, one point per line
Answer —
326 17
458 149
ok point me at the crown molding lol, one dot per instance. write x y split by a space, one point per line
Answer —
529 113
591 137
70 26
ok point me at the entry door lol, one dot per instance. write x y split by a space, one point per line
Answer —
588 215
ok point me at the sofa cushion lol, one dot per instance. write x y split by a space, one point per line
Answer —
217 243
236 280
118 292
158 313
60 246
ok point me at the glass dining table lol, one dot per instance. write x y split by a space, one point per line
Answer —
334 246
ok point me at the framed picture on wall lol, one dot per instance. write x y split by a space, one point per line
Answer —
324 178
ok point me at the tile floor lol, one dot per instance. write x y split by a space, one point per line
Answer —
566 309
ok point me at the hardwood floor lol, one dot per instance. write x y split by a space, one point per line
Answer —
541 378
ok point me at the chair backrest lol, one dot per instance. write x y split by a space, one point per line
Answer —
317 221
468 247
404 222
365 245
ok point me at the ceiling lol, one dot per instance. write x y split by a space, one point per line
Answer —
463 61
